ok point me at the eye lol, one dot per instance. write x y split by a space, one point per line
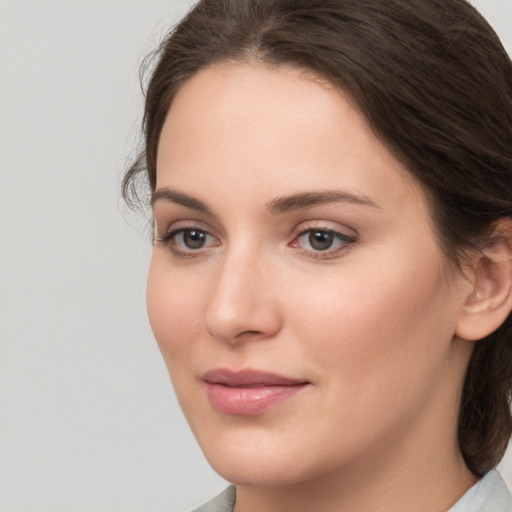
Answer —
188 241
191 238
320 241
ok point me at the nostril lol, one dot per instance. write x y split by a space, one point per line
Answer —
246 333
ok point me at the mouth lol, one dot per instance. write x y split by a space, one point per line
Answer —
249 392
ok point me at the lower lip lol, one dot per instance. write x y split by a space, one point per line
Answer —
240 401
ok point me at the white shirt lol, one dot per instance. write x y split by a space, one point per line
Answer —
490 494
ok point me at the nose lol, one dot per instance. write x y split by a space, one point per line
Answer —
243 305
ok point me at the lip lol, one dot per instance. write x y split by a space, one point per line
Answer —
249 392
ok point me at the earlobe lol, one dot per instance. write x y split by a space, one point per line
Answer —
489 302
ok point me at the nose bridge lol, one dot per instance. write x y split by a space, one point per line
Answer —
243 300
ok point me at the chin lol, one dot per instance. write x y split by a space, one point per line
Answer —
258 473
264 464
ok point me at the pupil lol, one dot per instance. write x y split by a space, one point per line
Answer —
194 239
321 240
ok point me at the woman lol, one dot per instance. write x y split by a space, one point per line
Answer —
330 287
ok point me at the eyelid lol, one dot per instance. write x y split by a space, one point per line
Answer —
183 224
321 225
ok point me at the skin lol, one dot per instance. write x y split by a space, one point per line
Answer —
370 322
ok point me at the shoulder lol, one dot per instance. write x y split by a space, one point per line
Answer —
224 502
490 494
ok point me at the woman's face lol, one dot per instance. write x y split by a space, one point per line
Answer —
297 291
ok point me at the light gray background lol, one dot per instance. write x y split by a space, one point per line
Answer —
88 421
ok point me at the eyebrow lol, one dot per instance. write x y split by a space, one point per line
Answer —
279 205
174 196
305 200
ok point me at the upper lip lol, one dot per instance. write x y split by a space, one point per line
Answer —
249 377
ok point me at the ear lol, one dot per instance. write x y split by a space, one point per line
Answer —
489 301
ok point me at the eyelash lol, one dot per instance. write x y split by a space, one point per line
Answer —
344 242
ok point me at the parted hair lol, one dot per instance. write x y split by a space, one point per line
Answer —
435 84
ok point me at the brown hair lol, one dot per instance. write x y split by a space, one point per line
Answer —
434 82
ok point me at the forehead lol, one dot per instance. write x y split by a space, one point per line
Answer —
247 124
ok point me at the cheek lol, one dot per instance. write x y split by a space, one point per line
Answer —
378 321
174 305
